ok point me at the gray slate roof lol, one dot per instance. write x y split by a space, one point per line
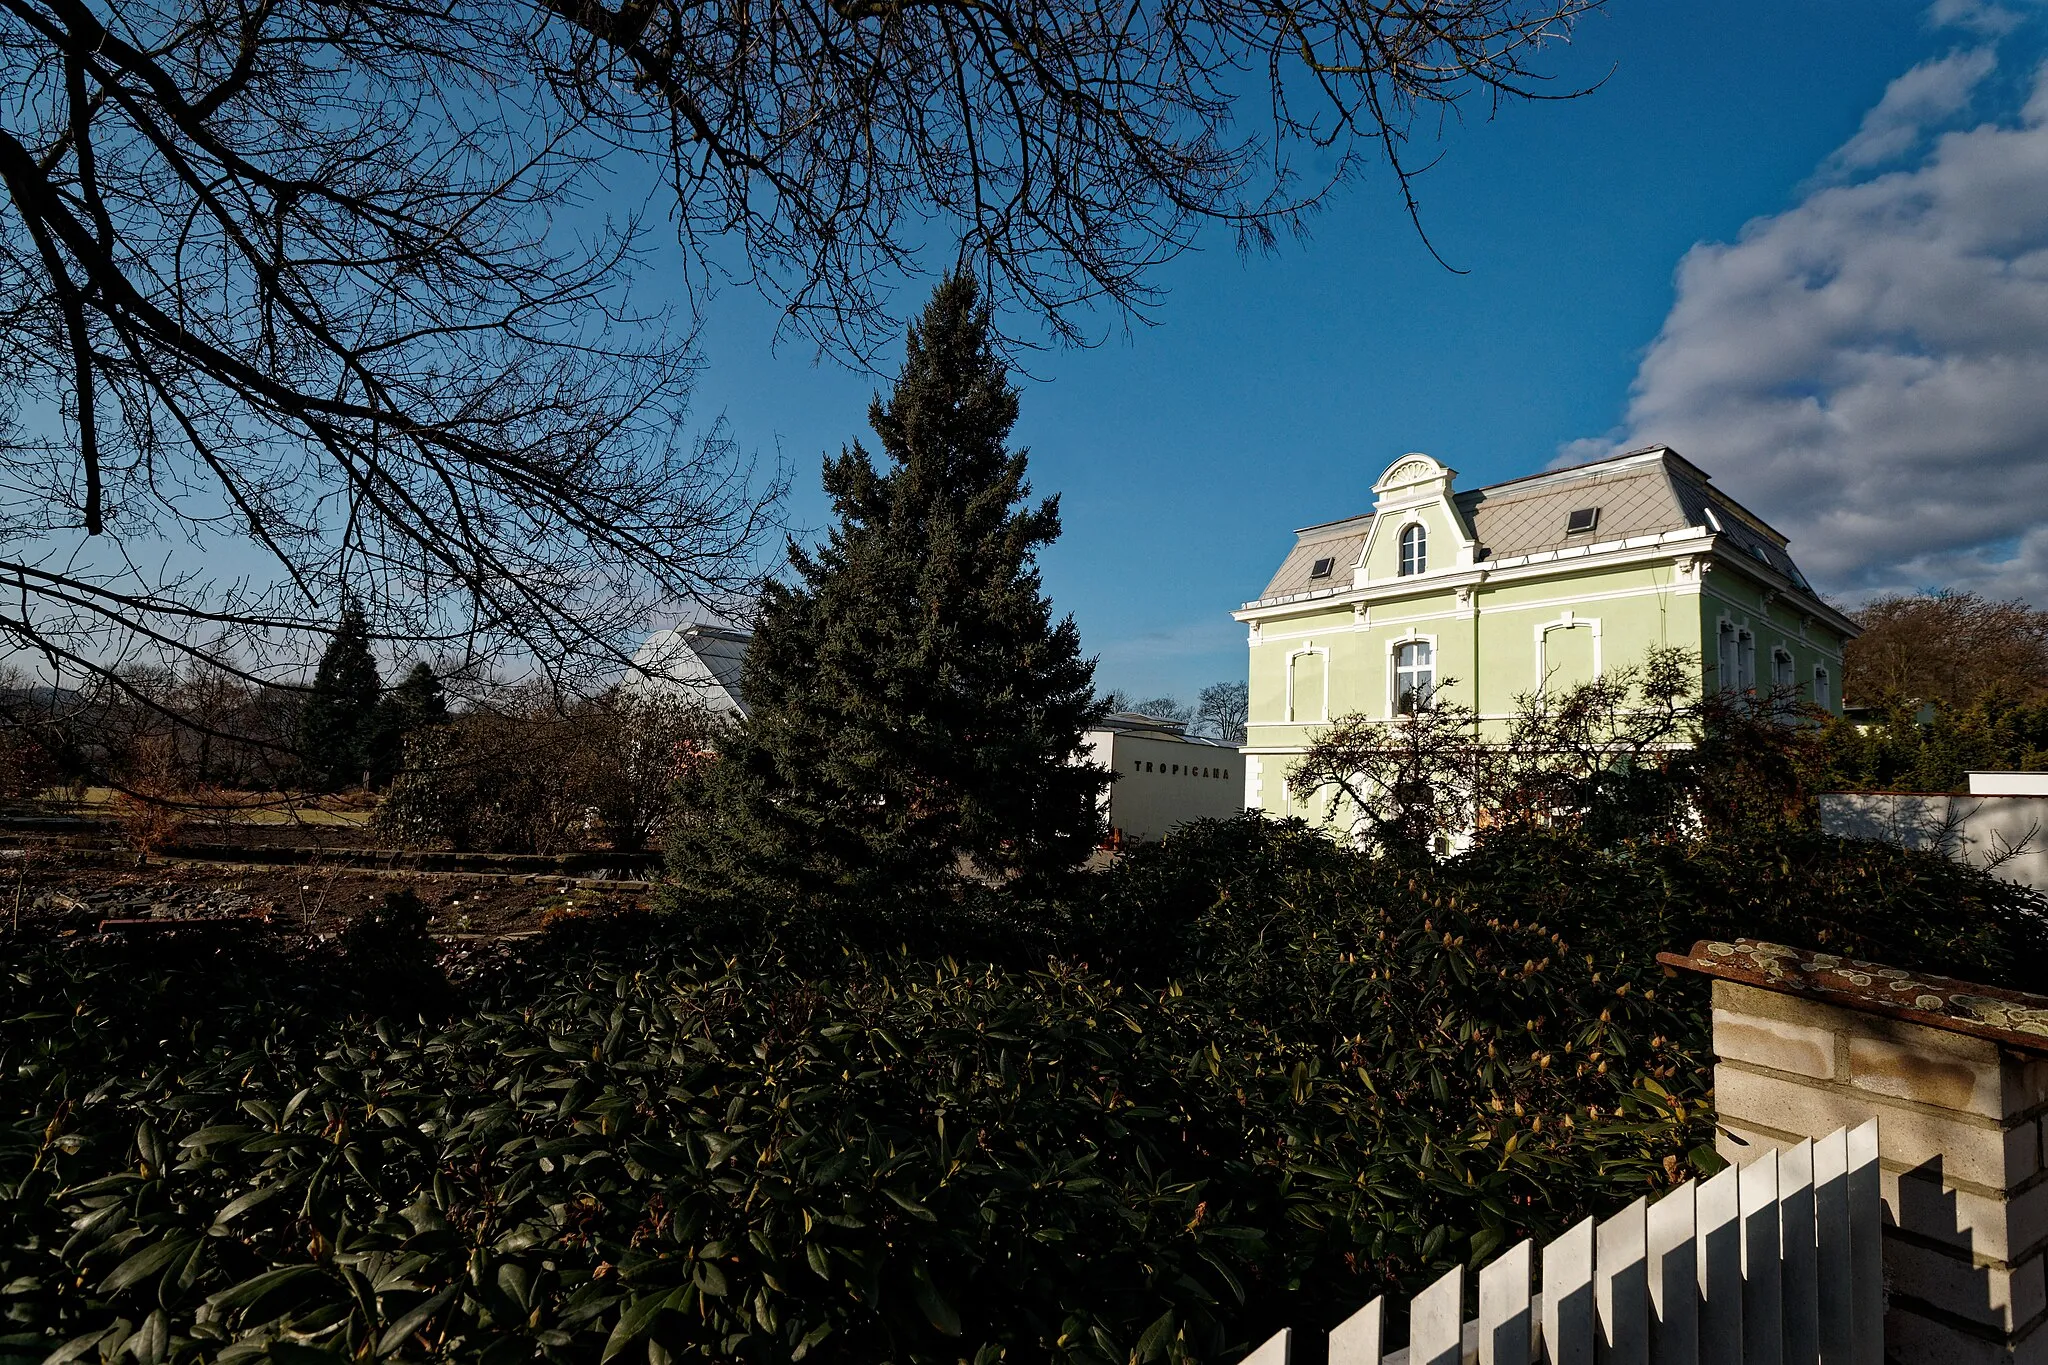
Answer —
696 662
1644 492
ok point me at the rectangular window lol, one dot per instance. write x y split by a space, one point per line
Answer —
1323 567
1726 661
1582 521
1414 677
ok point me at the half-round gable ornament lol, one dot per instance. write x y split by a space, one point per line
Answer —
1413 468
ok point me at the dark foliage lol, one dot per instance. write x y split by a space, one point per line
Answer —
389 952
894 1158
1294 1076
338 724
914 711
1932 749
418 701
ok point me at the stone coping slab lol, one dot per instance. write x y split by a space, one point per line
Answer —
2011 1017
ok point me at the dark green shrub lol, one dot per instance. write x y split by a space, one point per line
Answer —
899 1159
1254 1079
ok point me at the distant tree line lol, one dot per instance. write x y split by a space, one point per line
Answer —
1939 684
1220 710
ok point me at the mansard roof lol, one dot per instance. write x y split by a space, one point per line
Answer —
1651 491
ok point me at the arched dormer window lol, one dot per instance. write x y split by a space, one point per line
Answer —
1414 549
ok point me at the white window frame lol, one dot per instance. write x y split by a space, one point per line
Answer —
1567 620
1394 648
1785 667
1310 647
1420 529
1727 657
1823 688
1745 659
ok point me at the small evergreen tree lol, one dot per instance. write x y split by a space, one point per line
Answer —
915 713
337 728
416 702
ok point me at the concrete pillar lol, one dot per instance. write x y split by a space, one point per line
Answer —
1956 1075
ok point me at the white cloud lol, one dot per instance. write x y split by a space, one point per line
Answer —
1928 94
1869 369
1979 16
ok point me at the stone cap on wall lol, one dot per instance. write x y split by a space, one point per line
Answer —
2011 1017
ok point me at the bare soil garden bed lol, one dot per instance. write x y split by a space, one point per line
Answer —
49 885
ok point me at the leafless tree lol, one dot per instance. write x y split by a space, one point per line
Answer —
1398 787
1223 709
1621 754
1948 647
533 773
306 297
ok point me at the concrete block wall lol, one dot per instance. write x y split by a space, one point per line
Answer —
1806 1044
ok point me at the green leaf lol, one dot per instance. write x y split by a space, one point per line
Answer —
146 1262
255 1287
241 1204
937 1311
811 1338
910 1206
1152 1345
634 1321
400 1331
78 1346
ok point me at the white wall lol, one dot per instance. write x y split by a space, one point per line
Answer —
1162 782
1979 830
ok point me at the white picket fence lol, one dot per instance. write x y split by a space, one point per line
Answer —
1775 1263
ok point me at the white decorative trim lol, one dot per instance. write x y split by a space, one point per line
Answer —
1499 572
1310 648
1411 469
1492 573
1491 608
1567 620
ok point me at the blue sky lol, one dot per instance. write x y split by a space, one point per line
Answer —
1746 172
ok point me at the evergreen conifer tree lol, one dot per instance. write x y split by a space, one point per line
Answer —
416 702
915 713
337 728
419 699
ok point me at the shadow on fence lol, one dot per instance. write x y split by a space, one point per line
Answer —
1774 1263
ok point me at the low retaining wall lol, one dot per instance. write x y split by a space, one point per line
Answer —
2008 834
1957 1076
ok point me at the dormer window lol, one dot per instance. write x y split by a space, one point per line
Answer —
1581 521
1414 549
1323 567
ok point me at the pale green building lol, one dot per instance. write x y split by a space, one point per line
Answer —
1496 593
